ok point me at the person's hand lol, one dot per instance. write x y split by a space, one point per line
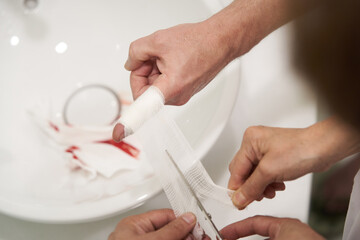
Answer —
180 61
269 156
155 225
274 228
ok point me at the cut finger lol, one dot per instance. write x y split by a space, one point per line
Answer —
118 132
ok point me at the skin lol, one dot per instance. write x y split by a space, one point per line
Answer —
182 60
269 156
271 227
162 224
155 225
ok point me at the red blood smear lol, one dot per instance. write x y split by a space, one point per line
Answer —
71 150
129 149
53 126
132 151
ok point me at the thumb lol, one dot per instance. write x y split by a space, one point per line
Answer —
177 229
253 188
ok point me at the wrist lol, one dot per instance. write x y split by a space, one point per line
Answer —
230 28
243 24
332 141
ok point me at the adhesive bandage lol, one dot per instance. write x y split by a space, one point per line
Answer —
144 107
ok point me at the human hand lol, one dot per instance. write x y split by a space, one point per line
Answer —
269 156
180 61
274 228
155 225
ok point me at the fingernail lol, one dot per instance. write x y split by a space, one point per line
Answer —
189 218
239 200
118 133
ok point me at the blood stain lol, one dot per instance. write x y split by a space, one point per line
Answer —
53 126
127 148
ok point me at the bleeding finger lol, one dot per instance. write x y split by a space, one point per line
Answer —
118 132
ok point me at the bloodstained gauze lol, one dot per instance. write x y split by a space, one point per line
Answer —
53 126
129 149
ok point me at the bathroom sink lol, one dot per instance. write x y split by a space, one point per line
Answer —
50 49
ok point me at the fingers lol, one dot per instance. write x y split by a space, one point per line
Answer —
144 223
261 225
140 78
271 190
140 51
118 132
278 186
271 227
240 168
177 229
149 221
253 188
159 218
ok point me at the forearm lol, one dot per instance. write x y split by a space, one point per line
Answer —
333 140
244 23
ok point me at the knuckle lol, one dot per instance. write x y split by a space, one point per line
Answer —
254 132
266 171
128 221
157 35
132 48
251 131
158 38
294 220
284 222
177 226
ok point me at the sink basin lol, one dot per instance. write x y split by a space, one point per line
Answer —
50 51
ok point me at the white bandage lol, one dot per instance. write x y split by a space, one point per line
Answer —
144 107
161 136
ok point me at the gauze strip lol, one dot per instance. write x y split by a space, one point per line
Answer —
144 107
161 133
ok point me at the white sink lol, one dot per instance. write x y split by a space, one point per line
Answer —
46 54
